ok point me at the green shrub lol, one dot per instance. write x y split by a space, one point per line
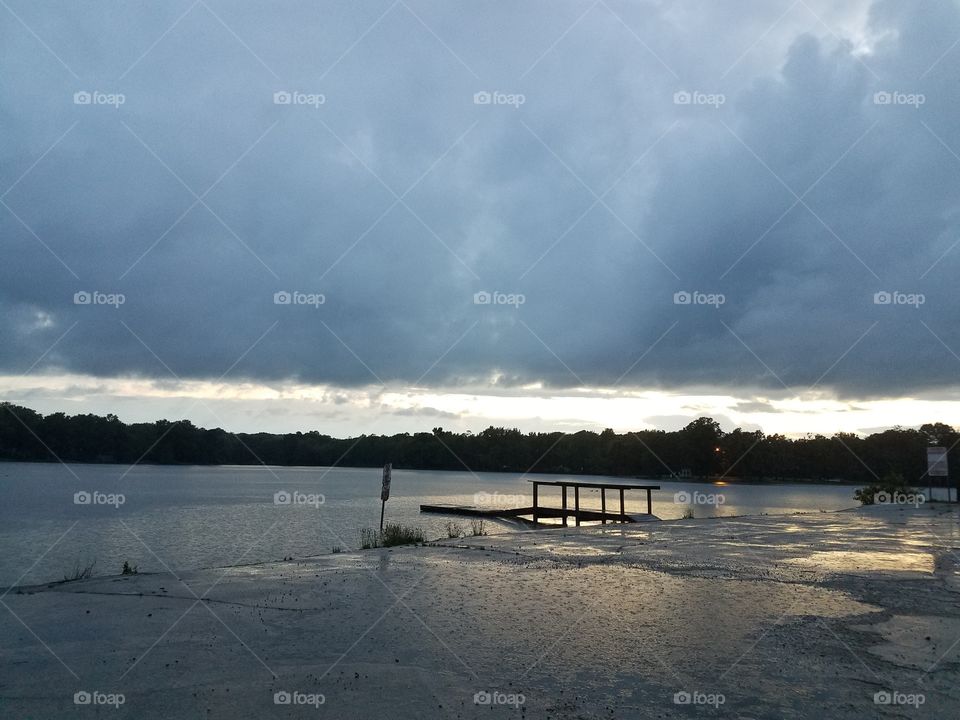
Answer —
890 486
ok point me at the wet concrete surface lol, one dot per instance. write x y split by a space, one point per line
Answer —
807 616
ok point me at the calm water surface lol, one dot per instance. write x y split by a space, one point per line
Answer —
189 517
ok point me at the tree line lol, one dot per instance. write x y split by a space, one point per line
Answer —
701 449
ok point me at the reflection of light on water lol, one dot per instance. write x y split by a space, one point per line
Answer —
862 560
572 525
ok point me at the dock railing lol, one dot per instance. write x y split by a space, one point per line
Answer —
580 514
564 512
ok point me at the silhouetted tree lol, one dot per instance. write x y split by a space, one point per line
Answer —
701 446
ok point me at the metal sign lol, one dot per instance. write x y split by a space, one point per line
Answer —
385 490
937 462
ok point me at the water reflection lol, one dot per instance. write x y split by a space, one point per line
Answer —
193 517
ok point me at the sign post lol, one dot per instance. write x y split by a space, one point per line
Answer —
385 491
937 467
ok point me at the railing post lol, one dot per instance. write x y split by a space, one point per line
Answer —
535 487
603 505
564 504
576 504
623 515
649 504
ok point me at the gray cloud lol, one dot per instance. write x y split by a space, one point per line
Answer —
399 198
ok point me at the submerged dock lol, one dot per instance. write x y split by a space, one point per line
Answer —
532 514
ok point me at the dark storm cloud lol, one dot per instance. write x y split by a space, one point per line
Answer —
589 205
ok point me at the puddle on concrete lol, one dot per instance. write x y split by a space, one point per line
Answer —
628 617
577 550
865 561
917 641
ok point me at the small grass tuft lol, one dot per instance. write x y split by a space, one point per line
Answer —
128 569
454 530
369 538
393 534
80 572
477 528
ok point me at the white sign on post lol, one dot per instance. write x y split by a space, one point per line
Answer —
937 462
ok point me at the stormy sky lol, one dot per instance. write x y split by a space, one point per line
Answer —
316 214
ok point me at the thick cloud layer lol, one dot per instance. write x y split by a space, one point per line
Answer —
630 153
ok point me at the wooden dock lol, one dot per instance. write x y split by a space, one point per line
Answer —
532 514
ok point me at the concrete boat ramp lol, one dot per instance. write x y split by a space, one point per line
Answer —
840 615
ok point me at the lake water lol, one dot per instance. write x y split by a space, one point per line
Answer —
190 517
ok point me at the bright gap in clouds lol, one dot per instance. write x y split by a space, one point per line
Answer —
343 412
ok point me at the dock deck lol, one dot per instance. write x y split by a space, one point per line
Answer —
536 511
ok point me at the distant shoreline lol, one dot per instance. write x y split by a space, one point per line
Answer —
656 478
